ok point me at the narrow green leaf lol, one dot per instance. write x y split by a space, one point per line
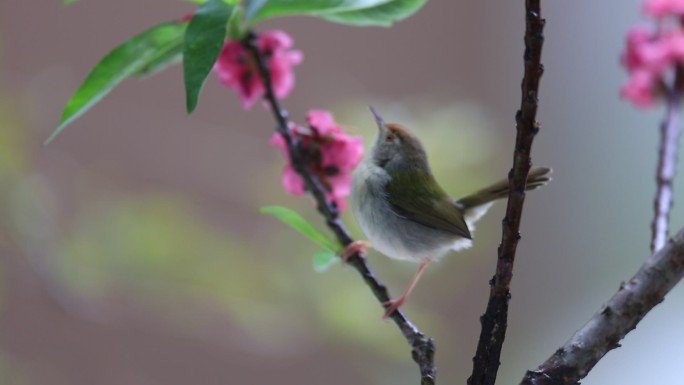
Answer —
236 29
351 12
252 8
68 2
203 43
233 2
258 10
169 56
323 260
382 15
125 60
297 222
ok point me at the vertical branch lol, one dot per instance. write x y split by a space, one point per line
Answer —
423 348
494 321
667 161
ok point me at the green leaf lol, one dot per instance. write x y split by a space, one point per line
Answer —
68 2
382 15
203 43
258 10
125 60
252 8
323 260
297 222
234 2
236 29
168 57
352 12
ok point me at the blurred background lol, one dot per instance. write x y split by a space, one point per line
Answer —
132 250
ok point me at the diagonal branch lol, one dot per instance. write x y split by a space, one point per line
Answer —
423 348
647 288
667 161
494 321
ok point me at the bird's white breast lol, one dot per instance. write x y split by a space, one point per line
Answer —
391 234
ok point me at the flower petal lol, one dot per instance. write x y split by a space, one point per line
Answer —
344 152
639 89
292 182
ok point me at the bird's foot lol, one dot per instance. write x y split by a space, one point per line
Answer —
393 305
353 248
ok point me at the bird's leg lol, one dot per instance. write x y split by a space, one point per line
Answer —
353 248
395 304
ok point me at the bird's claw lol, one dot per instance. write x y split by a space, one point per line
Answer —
393 305
353 248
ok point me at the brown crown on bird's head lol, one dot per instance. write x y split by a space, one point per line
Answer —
396 147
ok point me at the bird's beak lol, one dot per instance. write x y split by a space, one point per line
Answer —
378 119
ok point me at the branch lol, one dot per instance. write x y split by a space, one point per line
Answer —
423 349
647 288
494 321
667 161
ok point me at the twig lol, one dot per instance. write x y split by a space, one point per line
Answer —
647 288
494 321
423 348
667 161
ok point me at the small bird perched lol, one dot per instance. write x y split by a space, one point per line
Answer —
404 212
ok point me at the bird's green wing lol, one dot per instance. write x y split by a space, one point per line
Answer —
416 195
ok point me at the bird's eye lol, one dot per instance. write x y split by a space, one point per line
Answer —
389 137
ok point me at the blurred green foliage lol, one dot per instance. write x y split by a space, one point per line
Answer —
13 143
154 244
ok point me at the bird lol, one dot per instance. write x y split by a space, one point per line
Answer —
405 214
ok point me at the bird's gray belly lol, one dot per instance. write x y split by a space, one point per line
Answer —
400 238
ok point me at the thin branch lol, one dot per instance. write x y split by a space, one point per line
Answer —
423 348
647 288
494 321
667 161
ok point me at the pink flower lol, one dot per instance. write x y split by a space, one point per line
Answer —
340 150
237 69
639 89
292 182
655 57
650 58
662 8
638 38
675 45
328 152
187 17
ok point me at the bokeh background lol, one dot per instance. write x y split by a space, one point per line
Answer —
132 250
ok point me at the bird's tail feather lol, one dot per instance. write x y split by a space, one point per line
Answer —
537 177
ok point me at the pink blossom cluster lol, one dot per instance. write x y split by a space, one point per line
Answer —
331 155
652 55
329 152
663 8
236 68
